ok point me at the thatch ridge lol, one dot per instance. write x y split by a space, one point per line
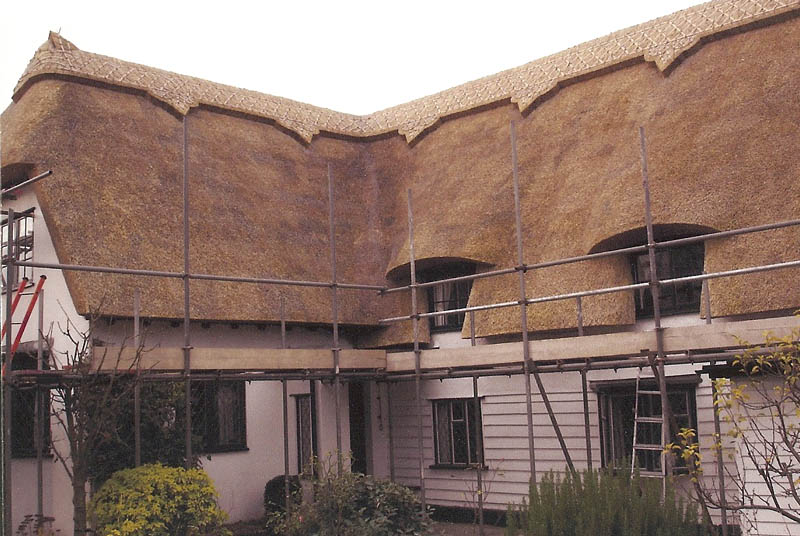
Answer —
661 41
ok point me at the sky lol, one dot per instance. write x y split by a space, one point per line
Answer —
351 56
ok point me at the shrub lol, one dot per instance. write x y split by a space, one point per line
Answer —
275 493
601 503
155 500
352 504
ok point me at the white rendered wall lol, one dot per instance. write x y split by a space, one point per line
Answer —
58 311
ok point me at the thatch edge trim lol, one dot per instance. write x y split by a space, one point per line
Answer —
661 41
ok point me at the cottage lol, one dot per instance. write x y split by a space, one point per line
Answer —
281 248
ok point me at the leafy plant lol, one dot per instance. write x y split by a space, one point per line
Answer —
760 410
155 500
601 503
275 493
353 504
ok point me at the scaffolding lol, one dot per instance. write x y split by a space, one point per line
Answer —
655 359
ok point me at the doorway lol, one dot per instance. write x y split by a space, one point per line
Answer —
359 427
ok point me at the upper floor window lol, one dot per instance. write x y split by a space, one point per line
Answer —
23 246
671 263
448 296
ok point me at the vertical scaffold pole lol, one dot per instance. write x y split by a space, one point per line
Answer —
389 429
479 447
137 387
655 291
335 314
39 416
720 466
5 445
587 430
285 399
523 308
187 340
528 365
417 354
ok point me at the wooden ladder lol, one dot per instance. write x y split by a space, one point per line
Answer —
645 447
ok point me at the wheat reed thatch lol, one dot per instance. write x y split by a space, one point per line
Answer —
721 132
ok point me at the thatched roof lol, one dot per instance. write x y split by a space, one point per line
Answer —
721 129
661 41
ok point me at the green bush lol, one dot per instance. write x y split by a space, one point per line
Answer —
155 500
275 493
601 503
353 504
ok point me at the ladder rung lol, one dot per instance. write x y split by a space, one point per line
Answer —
653 393
650 474
647 446
654 420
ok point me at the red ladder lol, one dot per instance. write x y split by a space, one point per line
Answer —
25 319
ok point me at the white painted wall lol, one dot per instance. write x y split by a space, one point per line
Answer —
58 311
505 433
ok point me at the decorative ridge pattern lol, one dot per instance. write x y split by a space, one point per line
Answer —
661 41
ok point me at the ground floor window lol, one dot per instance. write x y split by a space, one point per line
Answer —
617 404
23 413
456 425
218 415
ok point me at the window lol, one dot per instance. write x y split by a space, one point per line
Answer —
456 426
23 246
447 296
23 413
305 434
218 415
616 422
671 263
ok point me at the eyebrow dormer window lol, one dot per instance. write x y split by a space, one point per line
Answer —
448 296
671 263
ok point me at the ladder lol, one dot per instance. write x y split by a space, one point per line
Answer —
8 325
648 421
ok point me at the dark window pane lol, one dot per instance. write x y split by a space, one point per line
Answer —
460 442
474 430
456 425
617 422
443 428
218 415
304 434
675 262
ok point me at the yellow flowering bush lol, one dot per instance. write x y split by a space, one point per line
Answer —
155 500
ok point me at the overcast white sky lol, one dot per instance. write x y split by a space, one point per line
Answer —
351 56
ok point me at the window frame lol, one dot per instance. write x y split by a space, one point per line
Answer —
23 247
623 392
206 417
23 419
471 425
304 462
674 261
446 296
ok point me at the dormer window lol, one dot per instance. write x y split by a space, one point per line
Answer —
671 263
23 246
448 296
